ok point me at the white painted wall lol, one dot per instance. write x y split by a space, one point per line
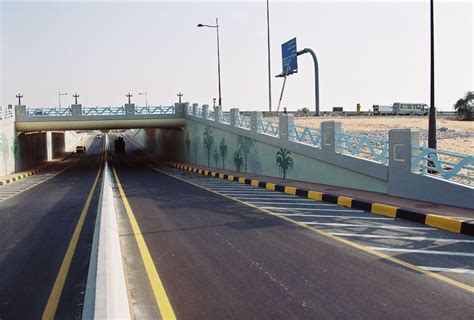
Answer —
7 147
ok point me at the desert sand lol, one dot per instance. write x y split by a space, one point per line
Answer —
459 141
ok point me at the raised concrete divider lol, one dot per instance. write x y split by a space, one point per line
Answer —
106 292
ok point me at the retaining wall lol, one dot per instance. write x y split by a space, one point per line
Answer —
7 147
31 150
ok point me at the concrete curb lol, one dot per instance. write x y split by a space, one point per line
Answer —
106 292
432 220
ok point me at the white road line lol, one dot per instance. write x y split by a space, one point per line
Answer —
422 251
253 194
450 270
287 198
309 203
311 209
233 191
332 216
376 236
365 225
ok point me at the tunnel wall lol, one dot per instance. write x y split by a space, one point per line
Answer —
31 150
168 144
233 151
7 147
57 144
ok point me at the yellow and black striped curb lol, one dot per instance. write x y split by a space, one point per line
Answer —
437 221
29 173
23 175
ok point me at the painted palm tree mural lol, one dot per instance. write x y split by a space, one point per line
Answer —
247 147
284 162
238 159
223 150
208 142
215 156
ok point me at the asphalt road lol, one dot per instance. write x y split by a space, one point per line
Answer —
37 221
220 258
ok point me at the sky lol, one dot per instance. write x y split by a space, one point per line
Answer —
368 52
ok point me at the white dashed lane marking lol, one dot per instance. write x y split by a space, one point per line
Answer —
429 248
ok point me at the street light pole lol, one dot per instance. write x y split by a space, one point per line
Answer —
432 114
316 77
218 57
75 97
59 95
269 65
19 96
146 97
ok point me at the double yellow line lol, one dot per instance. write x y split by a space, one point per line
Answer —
157 287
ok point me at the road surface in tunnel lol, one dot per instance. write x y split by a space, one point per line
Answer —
36 231
219 258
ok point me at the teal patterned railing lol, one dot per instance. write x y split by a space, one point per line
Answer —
268 127
362 146
444 164
306 135
244 122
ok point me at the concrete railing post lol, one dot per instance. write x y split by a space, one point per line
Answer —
129 108
329 131
195 109
205 111
403 144
180 109
20 110
76 109
286 121
234 117
255 118
217 113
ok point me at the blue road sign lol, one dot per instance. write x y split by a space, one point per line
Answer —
289 57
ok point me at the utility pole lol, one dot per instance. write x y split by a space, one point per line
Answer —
432 114
75 97
59 96
179 96
269 64
129 95
19 96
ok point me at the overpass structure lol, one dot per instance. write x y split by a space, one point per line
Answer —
78 117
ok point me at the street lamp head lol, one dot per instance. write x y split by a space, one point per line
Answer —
200 25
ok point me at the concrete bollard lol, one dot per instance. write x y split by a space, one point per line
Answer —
76 109
286 121
403 145
205 111
217 113
234 117
255 118
329 131
20 110
129 108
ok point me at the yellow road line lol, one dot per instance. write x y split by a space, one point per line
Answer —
159 292
53 301
440 277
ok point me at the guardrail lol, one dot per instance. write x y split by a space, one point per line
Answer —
444 164
244 122
268 127
362 146
306 135
49 112
99 111
225 117
154 110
